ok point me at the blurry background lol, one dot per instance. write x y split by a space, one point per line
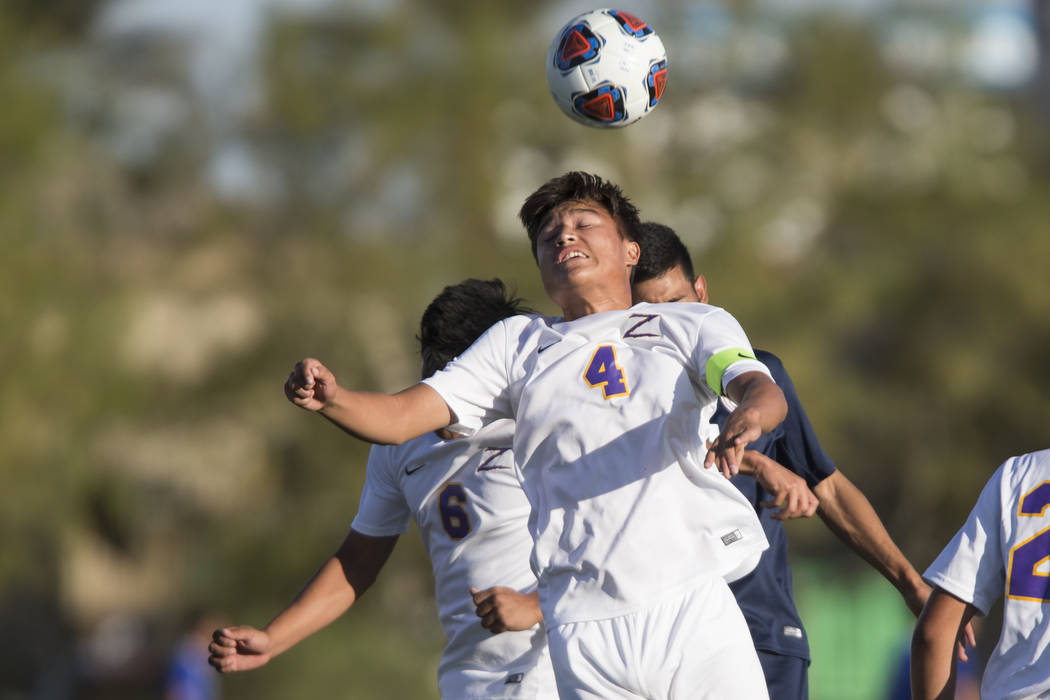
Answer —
195 194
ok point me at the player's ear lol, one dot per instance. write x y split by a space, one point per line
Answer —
700 285
633 252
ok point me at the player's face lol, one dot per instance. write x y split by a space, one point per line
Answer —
578 247
672 285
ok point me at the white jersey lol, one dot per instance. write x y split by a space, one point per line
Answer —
472 514
1004 547
608 409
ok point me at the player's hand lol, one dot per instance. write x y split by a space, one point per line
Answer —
310 385
503 609
788 491
969 640
240 648
740 429
916 600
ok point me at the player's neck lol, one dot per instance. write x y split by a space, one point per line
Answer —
594 301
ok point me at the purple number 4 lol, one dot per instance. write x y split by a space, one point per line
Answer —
604 372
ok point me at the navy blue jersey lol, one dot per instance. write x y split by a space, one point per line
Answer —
766 596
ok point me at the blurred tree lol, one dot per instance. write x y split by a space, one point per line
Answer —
53 20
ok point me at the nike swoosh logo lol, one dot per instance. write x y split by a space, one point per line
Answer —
746 357
413 470
488 469
548 345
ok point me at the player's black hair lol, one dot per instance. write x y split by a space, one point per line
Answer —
577 186
662 250
459 315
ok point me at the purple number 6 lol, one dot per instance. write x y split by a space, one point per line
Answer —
454 517
1023 581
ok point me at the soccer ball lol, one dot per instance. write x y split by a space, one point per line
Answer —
606 68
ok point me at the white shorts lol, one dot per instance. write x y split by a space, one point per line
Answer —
535 683
692 645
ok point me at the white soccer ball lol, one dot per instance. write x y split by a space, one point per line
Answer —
606 68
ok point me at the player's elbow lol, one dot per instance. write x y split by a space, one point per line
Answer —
771 399
758 389
393 438
924 639
399 434
940 623
932 648
780 407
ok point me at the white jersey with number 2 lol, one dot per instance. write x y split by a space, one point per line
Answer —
610 410
472 514
1004 549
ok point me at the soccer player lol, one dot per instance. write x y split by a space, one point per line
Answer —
634 537
665 273
472 514
1002 549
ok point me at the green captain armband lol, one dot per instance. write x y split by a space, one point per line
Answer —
719 362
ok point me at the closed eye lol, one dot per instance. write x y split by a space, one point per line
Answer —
586 218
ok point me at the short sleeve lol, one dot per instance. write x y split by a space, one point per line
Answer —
476 385
797 447
971 566
383 511
723 351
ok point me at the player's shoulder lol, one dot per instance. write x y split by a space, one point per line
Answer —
680 317
1034 461
678 309
523 325
1028 469
514 333
527 320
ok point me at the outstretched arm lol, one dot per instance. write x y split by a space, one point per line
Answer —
760 408
333 589
941 627
849 514
385 419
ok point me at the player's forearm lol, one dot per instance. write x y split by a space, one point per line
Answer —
754 464
324 598
848 513
933 668
749 465
388 419
767 400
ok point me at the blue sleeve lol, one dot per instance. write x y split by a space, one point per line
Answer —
796 446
